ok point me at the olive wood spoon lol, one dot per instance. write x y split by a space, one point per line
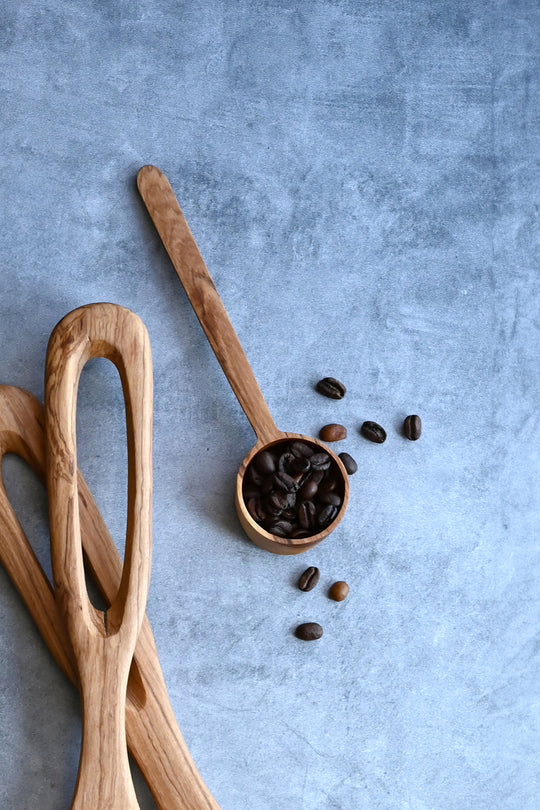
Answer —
173 229
153 736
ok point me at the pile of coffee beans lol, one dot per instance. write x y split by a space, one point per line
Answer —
293 489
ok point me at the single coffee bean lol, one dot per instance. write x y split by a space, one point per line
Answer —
300 465
333 433
332 388
327 515
298 533
307 513
316 476
286 482
281 528
264 462
301 449
327 485
412 427
255 509
320 461
339 591
309 578
309 631
254 476
284 461
349 463
373 432
308 490
276 502
331 498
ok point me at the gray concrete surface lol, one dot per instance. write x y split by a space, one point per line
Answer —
362 181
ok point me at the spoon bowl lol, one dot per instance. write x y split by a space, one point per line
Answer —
179 243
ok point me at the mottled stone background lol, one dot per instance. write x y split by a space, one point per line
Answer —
361 178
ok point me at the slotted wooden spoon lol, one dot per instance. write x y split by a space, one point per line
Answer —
103 643
153 735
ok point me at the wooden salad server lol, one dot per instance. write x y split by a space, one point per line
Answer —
153 736
179 243
103 643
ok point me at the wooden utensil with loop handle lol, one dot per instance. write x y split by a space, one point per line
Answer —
103 643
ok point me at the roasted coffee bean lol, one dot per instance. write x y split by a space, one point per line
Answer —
254 476
316 476
309 578
327 515
327 485
284 461
307 514
339 591
286 482
331 387
281 528
331 498
267 484
320 461
309 631
276 502
255 509
300 465
301 449
412 427
308 490
373 432
297 533
264 462
349 463
333 433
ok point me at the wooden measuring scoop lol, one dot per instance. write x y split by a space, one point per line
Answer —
173 229
103 643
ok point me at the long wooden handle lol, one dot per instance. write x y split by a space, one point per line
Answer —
103 643
173 229
153 735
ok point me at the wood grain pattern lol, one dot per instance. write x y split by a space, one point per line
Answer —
153 736
172 227
184 254
103 642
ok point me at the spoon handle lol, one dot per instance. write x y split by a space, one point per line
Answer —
173 229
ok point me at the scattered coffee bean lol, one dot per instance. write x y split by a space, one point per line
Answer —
333 433
301 496
339 591
310 631
412 427
349 463
309 578
331 388
373 432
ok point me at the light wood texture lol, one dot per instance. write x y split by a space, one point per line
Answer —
154 738
184 254
103 643
172 227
